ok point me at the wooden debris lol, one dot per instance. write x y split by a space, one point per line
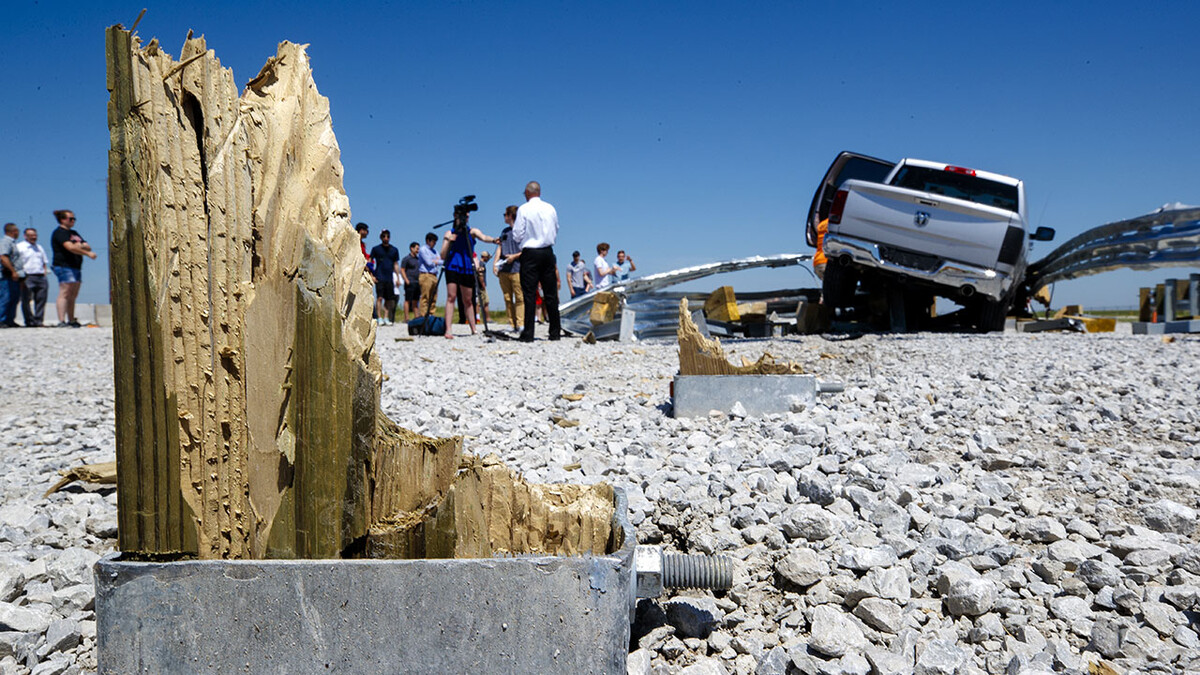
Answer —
1102 668
1069 310
604 308
573 397
1145 305
564 422
1043 296
1097 324
490 510
757 308
246 378
721 305
811 318
104 473
699 355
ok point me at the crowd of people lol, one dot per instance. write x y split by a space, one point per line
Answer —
24 267
523 263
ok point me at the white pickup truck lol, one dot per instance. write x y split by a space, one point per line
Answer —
924 229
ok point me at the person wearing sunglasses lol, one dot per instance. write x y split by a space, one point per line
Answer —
69 249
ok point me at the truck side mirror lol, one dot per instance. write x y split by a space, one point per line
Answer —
1043 234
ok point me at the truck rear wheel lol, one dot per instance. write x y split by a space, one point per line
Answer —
990 315
839 284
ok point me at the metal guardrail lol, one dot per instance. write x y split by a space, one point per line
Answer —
1170 237
665 279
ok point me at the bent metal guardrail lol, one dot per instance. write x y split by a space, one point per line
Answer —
1165 238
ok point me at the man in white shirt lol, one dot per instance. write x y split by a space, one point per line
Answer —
35 267
603 274
535 231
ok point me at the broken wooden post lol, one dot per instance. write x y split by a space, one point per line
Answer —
699 355
247 381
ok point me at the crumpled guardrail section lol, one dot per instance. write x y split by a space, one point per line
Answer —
1165 238
665 279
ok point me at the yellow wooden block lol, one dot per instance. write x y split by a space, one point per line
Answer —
604 308
757 307
722 305
1097 324
1043 295
1069 310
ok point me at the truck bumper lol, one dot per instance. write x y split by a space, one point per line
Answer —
989 283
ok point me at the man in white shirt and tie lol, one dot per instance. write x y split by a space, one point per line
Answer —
535 231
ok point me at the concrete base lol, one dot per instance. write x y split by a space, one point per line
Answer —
100 315
1163 327
493 615
697 395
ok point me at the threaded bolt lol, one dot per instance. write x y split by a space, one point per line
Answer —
697 571
654 571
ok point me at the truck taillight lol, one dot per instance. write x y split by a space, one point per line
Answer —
959 169
839 204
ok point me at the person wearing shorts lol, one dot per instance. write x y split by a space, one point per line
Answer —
458 250
387 261
410 275
67 265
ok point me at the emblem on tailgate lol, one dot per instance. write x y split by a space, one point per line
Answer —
921 219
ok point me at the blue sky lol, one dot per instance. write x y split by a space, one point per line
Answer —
681 132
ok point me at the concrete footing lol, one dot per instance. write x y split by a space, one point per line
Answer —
1164 327
492 615
698 395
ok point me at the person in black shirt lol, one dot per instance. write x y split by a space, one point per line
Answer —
69 249
387 261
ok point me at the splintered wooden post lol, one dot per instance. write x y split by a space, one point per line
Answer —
699 355
246 377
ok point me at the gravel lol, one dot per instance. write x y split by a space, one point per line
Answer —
969 504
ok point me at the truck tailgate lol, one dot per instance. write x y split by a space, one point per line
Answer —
921 222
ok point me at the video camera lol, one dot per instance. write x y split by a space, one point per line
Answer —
464 206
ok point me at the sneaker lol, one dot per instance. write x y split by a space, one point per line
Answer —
62 324
74 324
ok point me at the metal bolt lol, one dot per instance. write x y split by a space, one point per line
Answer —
655 570
830 387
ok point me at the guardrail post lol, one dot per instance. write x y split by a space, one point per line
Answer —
1169 300
1194 294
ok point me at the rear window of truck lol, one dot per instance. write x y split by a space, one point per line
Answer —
958 185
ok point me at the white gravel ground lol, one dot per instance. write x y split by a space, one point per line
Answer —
982 503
